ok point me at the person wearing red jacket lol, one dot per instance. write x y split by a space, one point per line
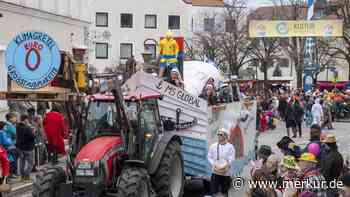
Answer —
56 129
4 166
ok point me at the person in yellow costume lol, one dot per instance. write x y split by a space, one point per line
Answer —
169 50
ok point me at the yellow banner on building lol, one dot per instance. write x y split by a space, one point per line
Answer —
313 28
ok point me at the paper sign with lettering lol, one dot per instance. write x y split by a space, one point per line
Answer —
178 93
33 59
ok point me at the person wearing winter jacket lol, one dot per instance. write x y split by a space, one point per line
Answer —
56 129
4 163
309 173
26 145
5 140
4 166
332 162
315 137
299 115
7 143
290 120
10 127
289 170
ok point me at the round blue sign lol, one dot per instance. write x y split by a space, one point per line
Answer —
32 59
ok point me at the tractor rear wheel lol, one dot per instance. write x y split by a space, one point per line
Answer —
169 178
47 182
133 182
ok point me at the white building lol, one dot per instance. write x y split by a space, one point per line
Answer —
56 19
120 30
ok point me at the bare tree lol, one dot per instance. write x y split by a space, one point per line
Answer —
264 51
294 47
227 43
342 10
324 57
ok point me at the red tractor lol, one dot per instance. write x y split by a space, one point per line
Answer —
120 149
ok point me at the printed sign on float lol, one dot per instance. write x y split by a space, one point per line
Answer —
301 28
33 59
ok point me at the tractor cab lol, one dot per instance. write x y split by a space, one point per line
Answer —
101 116
141 113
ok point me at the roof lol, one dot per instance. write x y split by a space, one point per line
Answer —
142 95
9 6
206 3
277 12
137 95
285 12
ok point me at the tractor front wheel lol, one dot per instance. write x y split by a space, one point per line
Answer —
47 182
169 178
133 182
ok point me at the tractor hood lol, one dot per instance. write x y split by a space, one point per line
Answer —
98 148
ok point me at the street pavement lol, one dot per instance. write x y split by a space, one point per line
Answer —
195 188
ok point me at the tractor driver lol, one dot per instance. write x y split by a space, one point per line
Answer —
169 50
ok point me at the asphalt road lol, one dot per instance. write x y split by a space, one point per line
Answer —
342 132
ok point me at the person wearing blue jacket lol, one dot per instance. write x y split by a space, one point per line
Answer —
8 140
10 127
5 141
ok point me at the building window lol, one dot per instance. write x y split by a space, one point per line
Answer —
151 48
209 24
101 50
230 25
174 22
101 19
126 20
125 50
151 21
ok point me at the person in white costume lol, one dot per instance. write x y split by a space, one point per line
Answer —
221 155
317 112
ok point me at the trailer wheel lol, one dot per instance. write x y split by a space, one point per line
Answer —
133 182
47 182
169 178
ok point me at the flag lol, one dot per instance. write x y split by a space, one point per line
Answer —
310 11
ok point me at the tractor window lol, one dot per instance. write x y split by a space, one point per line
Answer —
147 120
148 126
101 119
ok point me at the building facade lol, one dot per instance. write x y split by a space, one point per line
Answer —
118 32
21 16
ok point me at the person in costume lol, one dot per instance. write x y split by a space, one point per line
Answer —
169 50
